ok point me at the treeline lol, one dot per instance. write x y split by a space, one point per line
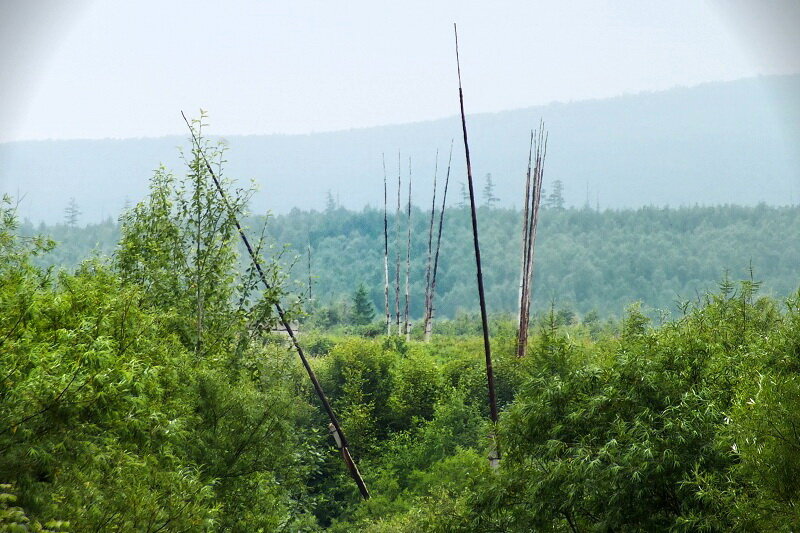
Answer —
585 260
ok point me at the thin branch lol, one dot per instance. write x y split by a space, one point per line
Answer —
282 315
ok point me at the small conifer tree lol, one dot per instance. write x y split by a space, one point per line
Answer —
490 200
555 200
71 213
363 312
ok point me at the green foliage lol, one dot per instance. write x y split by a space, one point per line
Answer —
147 396
152 394
180 246
14 519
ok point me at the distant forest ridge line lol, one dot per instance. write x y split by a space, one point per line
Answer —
585 260
727 142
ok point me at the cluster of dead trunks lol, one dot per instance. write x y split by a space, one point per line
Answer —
533 188
403 325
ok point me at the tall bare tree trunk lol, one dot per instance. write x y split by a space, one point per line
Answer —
494 455
397 252
525 216
429 266
309 273
432 291
386 250
407 323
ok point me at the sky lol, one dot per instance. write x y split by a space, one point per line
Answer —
115 69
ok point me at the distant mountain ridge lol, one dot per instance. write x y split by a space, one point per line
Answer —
726 142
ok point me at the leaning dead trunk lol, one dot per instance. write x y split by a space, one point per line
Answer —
432 290
342 440
429 265
494 455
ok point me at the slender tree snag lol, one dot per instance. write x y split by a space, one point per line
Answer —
198 292
432 291
494 454
524 248
406 322
309 272
386 250
522 330
522 334
429 265
535 222
397 251
351 466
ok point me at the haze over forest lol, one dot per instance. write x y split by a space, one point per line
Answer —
716 143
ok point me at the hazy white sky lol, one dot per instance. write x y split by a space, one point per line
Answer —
93 69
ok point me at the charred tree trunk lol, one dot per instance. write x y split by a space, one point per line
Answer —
406 322
494 455
386 250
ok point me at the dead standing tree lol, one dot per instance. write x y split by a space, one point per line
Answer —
406 321
431 288
335 427
494 454
530 219
310 296
386 250
429 265
397 251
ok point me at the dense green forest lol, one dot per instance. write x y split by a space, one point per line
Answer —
152 391
585 260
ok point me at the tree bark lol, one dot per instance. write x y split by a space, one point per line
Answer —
476 242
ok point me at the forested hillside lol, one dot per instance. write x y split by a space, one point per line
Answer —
585 260
718 143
